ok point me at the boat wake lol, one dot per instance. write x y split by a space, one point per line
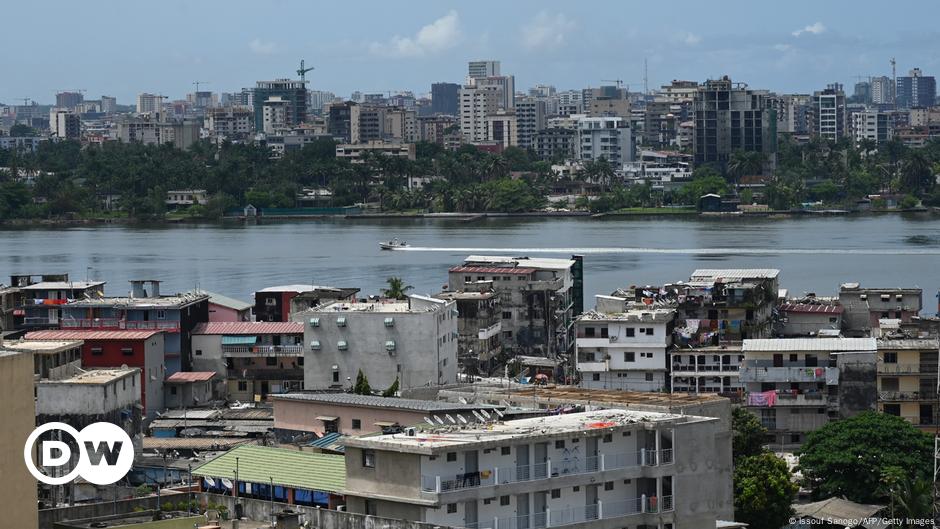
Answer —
679 251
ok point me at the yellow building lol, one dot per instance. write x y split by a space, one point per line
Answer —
18 417
907 380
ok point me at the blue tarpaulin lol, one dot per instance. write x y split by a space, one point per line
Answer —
239 340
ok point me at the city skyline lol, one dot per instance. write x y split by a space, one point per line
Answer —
797 50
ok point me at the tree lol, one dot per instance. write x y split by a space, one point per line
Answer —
397 289
747 434
20 130
362 385
848 457
745 163
763 491
909 499
392 390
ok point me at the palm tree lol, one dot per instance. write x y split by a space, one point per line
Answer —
397 289
916 172
744 163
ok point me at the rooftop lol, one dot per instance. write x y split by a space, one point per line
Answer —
450 436
465 294
712 274
287 468
56 334
62 285
811 308
298 288
183 377
541 263
225 301
909 343
97 376
250 327
492 270
44 347
173 301
637 315
369 401
809 344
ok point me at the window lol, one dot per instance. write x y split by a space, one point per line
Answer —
356 424
336 377
451 508
242 385
314 322
892 409
161 314
889 384
389 322
609 485
270 302
504 451
390 345
96 351
127 351
629 356
198 352
596 377
270 361
504 500
576 488
631 332
649 377
451 457
891 357
604 332
315 345
507 315
589 332
556 493
368 458
468 279
560 444
608 438
173 390
342 345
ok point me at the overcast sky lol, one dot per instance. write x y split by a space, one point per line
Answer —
123 47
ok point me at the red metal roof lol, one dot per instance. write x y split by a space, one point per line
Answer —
191 376
250 327
811 308
491 270
78 334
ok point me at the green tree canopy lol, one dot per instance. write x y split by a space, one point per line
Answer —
848 457
392 390
362 385
748 436
397 289
763 491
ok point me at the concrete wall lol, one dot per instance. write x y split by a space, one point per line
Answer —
207 353
66 398
395 474
17 486
301 416
47 517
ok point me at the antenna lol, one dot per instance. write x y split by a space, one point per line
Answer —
894 80
197 83
646 79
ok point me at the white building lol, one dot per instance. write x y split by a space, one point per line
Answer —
64 124
274 114
620 348
828 112
602 469
873 125
149 103
502 128
477 69
475 104
230 122
608 137
413 341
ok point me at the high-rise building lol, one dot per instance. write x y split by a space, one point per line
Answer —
730 117
792 113
108 104
608 137
530 118
318 100
916 90
827 114
274 114
882 90
149 103
502 128
475 104
873 125
477 69
69 100
862 92
445 98
294 92
343 121
505 86
65 124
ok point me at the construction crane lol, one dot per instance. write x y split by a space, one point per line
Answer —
197 83
302 72
25 101
619 82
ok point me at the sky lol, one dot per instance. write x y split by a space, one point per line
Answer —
124 47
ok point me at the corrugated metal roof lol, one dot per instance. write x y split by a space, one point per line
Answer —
287 468
225 301
191 376
814 308
250 327
332 441
369 401
54 334
195 443
809 344
735 273
491 270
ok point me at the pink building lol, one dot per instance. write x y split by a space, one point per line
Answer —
223 308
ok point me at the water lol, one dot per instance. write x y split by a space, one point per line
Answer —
813 254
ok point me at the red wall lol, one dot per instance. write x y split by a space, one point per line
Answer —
111 356
285 304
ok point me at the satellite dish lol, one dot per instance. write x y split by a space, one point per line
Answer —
485 414
429 421
439 420
463 400
462 419
499 413
450 419
478 415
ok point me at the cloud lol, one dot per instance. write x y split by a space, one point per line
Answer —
437 36
546 31
815 29
261 47
691 39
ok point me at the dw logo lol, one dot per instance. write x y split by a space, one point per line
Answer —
106 453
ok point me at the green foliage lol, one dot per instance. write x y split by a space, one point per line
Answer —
167 506
908 202
763 491
703 182
362 385
908 498
397 289
748 434
392 390
143 490
849 457
20 130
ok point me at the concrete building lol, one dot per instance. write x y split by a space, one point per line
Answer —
298 415
502 129
443 130
706 369
354 151
503 85
916 90
479 326
255 358
343 121
109 395
873 125
190 389
64 124
539 299
230 123
882 90
598 469
793 112
294 92
274 111
484 68
476 103
622 348
907 379
69 100
556 144
828 118
277 303
809 318
865 307
412 341
445 98
798 385
223 308
530 120
18 486
42 298
152 129
108 104
52 359
605 137
149 103
731 117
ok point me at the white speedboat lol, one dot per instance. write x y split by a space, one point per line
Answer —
393 244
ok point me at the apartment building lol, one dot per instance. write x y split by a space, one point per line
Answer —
483 68
412 341
276 303
65 124
709 369
476 103
605 137
111 395
798 385
907 379
729 117
479 326
601 469
17 487
355 151
622 348
39 300
530 118
873 125
502 129
828 113
149 103
294 93
503 85
865 307
916 90
539 299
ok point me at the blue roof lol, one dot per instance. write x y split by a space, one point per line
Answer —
331 441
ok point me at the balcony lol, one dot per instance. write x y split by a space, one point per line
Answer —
750 373
789 399
913 396
704 369
581 514
250 351
37 320
119 324
542 471
907 369
265 374
490 331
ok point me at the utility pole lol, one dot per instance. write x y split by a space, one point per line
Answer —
894 81
271 496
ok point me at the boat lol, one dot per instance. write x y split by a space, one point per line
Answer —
393 244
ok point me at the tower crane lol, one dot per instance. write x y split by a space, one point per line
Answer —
197 83
302 72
